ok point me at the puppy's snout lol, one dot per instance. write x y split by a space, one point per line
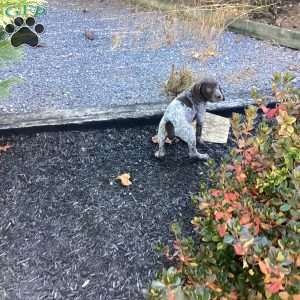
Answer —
220 96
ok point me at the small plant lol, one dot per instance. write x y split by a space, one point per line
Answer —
178 81
248 219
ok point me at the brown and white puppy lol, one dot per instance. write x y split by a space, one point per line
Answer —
183 110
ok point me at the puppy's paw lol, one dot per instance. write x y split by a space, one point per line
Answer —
200 156
203 156
159 154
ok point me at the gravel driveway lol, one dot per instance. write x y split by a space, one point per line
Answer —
124 64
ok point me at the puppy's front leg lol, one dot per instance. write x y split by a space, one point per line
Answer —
161 139
187 133
201 109
199 127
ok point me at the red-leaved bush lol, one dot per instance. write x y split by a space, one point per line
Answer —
247 244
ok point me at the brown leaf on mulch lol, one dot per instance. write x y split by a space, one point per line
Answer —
4 148
124 179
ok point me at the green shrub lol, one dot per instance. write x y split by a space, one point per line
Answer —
8 54
247 225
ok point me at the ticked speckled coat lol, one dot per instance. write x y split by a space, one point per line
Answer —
183 110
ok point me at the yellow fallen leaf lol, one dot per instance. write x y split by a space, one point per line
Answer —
193 264
284 295
155 139
214 287
124 179
247 244
203 205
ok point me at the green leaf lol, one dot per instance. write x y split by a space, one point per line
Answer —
6 84
261 241
254 93
179 293
285 207
280 257
277 77
220 246
176 229
280 221
287 77
8 53
228 239
156 284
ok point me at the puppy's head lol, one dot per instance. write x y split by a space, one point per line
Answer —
207 90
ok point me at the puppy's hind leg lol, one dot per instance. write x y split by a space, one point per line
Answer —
161 139
170 131
188 135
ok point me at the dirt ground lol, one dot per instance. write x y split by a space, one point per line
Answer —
286 16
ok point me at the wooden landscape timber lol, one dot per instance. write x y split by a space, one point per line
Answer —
284 37
96 114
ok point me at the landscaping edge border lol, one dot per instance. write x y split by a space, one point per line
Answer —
82 116
284 37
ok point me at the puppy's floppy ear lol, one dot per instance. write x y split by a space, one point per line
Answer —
197 91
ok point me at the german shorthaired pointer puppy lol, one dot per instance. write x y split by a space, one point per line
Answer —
183 110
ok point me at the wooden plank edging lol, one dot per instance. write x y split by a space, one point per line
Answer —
87 115
284 37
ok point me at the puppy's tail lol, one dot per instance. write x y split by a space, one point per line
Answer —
170 130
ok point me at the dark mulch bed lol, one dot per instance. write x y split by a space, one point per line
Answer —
69 231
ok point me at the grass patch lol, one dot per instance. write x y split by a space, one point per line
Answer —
199 20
